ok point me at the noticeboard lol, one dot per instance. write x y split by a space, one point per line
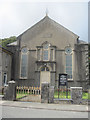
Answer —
62 79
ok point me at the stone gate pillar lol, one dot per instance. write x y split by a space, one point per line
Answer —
44 92
47 93
76 94
51 94
10 91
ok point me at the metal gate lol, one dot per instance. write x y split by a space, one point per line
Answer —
32 94
62 93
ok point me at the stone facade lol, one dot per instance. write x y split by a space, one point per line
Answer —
58 38
5 66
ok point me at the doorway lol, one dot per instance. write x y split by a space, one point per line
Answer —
44 75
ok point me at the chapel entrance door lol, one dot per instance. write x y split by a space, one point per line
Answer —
44 75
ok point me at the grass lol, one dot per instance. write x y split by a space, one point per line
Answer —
85 95
62 95
21 95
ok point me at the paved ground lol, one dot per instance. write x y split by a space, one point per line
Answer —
36 105
16 112
41 110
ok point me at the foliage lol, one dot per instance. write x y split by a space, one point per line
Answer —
5 41
89 62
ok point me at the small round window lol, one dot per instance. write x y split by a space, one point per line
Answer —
24 50
68 50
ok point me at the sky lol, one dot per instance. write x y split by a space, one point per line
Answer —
16 16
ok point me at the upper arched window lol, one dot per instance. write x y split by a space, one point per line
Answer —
46 52
24 63
68 52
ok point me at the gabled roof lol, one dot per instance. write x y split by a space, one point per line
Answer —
12 44
47 20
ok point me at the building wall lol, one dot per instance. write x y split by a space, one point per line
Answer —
5 66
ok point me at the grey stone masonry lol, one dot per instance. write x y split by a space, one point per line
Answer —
51 94
10 91
45 93
76 95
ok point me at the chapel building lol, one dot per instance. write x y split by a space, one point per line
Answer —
46 50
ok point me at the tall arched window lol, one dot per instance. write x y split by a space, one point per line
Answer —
24 63
46 51
68 52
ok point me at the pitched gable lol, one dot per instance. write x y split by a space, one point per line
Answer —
44 23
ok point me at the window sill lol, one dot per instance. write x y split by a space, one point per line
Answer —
23 78
45 61
70 79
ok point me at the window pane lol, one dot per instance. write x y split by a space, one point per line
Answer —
24 65
43 69
69 66
45 55
47 69
46 46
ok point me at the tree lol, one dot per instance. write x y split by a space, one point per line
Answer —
6 41
89 62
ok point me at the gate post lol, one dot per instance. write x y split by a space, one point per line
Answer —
10 91
51 94
45 92
76 94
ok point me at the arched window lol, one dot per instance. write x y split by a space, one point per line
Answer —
24 63
46 52
68 52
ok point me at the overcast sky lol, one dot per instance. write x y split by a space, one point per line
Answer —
16 16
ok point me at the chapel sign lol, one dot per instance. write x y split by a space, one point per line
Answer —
62 79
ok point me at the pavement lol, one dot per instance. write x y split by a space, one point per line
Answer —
45 106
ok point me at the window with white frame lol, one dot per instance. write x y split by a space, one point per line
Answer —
46 52
68 52
24 63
